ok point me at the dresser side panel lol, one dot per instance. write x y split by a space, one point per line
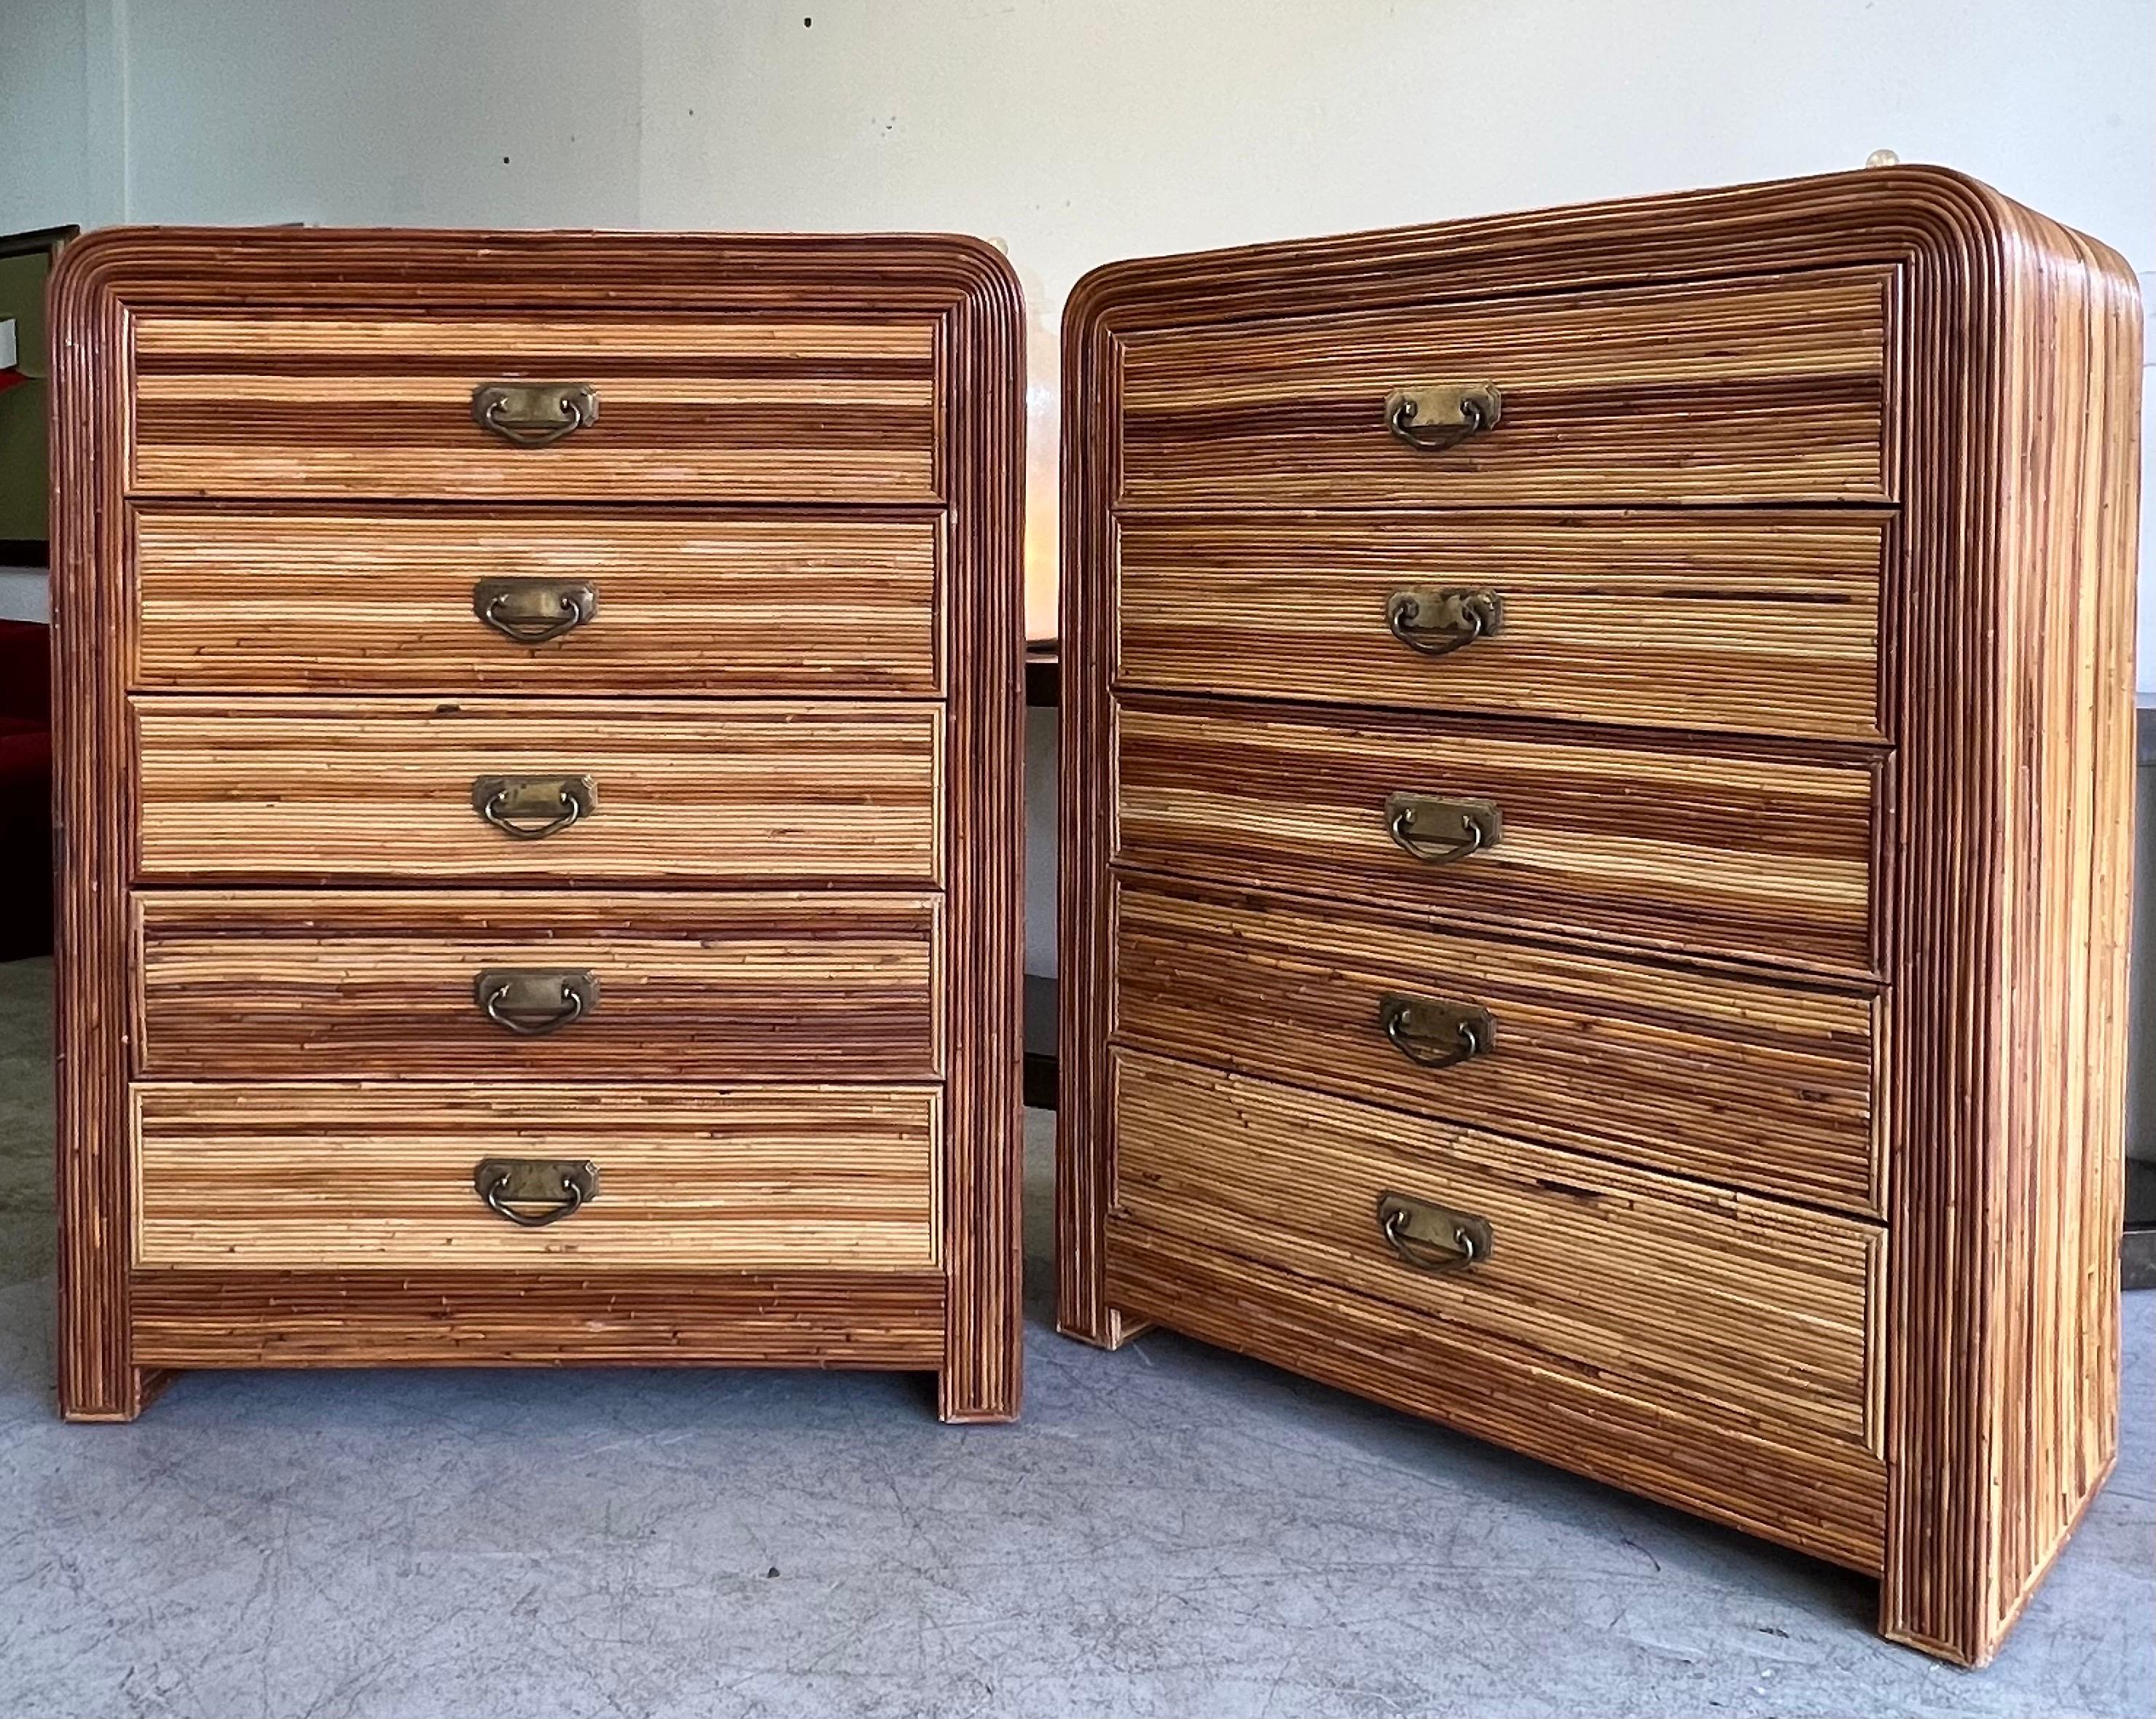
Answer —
93 796
2071 505
2011 677
981 389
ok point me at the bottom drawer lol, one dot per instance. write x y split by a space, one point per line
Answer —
357 1176
1713 1349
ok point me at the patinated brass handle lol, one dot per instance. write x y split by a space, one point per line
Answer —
1433 1238
1437 418
508 803
1437 623
533 611
533 413
1438 831
1436 1034
565 1186
530 1001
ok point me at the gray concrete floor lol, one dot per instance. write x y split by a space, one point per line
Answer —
1169 1531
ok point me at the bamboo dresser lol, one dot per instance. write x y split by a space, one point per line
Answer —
1596 769
539 770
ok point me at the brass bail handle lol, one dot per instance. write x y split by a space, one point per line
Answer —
532 808
560 1187
1438 831
1429 1237
1442 416
533 413
1437 623
1436 1034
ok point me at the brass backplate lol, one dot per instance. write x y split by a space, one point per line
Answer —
536 798
1441 414
1431 1237
532 413
542 1182
1454 616
1431 1028
534 608
1440 821
537 991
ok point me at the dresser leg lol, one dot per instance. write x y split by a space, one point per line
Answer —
965 1397
1115 1329
134 1389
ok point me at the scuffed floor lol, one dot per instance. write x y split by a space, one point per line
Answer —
1169 1531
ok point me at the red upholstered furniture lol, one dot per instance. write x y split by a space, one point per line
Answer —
26 792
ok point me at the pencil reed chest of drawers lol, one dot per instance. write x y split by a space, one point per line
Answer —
539 781
1596 768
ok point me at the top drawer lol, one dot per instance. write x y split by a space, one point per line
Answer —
1759 390
374 404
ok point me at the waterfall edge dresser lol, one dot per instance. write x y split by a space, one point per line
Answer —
538 767
1596 769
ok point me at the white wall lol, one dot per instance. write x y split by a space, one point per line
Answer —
1073 131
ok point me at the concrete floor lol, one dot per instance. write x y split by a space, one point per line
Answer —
1169 1531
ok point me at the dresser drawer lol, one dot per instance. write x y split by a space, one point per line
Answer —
558 985
458 599
1772 389
383 789
1623 1058
364 403
1705 1310
354 1175
1755 623
1764 859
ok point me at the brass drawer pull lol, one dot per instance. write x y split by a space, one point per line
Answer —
508 803
533 413
1438 831
1433 1238
1436 1034
1437 623
566 1186
1435 418
530 1001
533 611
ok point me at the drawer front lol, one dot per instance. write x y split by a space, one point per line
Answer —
374 404
358 1176
1761 1087
1765 859
1673 1294
385 789
462 599
1764 624
1766 390
561 985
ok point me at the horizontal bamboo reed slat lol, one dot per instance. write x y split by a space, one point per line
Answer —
367 404
570 1316
361 1175
380 791
749 985
1758 624
1758 390
318 599
1767 860
1757 1085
